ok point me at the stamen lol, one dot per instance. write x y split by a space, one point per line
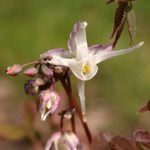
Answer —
86 68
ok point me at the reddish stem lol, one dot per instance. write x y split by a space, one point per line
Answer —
70 102
77 107
31 63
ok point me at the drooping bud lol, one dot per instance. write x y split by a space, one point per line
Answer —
30 88
14 70
47 102
39 81
58 69
65 141
31 72
68 114
46 71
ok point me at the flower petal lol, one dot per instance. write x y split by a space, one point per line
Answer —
77 68
77 42
106 55
70 139
96 49
59 56
53 138
81 92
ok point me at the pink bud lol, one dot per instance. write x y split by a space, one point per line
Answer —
39 82
14 70
30 88
31 72
46 71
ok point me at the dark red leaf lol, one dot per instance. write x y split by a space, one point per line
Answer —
123 143
145 108
101 141
110 1
143 137
118 35
119 1
131 22
120 17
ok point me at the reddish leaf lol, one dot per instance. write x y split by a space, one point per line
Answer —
123 143
110 1
120 17
145 108
131 22
142 137
101 141
119 1
118 35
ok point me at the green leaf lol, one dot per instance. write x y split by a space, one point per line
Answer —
13 132
131 22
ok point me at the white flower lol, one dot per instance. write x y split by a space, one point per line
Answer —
81 59
63 141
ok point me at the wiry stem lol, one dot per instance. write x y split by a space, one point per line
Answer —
76 106
72 118
31 63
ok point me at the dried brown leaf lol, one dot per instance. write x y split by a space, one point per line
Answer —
145 108
123 143
101 141
142 137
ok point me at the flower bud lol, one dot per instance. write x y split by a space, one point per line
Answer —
63 141
14 70
47 102
46 71
58 69
30 88
39 81
68 114
31 71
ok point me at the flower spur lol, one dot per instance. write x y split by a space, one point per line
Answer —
81 59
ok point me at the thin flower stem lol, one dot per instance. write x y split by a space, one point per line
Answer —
31 63
77 107
61 124
72 118
52 85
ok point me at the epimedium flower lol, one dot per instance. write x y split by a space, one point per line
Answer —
30 88
14 70
81 59
63 141
47 102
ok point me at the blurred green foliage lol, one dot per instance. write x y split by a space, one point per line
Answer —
30 27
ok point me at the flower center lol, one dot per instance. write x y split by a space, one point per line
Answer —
86 68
